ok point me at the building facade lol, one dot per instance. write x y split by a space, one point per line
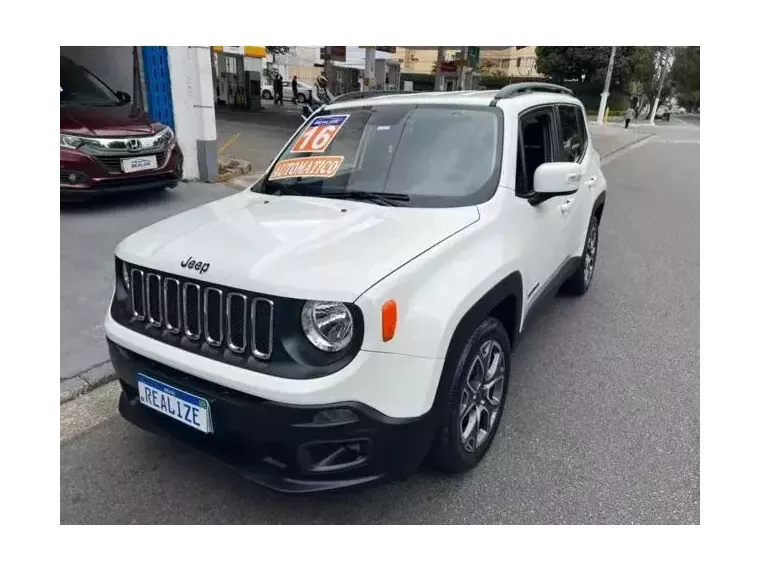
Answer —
515 61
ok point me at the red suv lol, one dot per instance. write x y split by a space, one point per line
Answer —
108 145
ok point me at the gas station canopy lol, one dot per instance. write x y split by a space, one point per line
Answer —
250 51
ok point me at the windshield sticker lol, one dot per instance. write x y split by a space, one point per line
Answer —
309 166
320 134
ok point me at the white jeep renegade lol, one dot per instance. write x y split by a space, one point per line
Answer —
355 310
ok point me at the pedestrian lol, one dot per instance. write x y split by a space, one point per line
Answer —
278 89
294 83
628 116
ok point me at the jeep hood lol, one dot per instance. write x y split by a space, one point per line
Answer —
293 246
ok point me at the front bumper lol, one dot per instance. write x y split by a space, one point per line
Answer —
93 177
279 445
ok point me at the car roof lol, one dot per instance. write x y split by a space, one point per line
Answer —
516 103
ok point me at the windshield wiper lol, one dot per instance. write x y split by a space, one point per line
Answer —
382 198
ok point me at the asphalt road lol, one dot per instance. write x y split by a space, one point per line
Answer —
89 234
602 418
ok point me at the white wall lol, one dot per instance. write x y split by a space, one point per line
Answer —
113 64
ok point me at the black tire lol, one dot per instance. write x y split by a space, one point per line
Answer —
578 283
266 94
301 98
449 450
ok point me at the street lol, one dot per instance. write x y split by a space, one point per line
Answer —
602 419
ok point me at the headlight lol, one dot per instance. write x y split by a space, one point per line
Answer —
70 141
125 275
165 135
328 325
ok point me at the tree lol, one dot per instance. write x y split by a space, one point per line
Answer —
685 76
588 64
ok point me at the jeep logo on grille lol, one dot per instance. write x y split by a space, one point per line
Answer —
133 144
200 266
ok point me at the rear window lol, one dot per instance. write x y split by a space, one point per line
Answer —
439 156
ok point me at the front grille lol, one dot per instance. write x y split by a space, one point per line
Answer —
203 313
113 163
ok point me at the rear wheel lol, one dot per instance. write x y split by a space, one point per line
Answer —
580 281
476 399
301 98
266 94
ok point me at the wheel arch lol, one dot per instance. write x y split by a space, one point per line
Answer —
598 208
504 302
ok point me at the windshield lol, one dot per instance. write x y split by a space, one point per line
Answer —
437 155
80 87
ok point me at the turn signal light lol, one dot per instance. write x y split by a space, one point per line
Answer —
390 316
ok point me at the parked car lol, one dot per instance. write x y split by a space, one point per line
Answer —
663 112
267 90
108 145
356 309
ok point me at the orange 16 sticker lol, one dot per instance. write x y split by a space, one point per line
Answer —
320 134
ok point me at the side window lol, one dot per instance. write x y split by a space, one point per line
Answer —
572 140
534 147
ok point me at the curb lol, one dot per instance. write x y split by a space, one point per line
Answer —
626 146
86 381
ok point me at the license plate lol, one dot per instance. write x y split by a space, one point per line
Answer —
138 163
175 403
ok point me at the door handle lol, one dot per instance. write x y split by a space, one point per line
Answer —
565 206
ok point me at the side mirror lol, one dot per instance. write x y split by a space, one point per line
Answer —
555 179
123 97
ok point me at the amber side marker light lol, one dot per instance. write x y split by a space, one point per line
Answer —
390 316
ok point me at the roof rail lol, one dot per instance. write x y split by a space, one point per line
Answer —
367 95
528 87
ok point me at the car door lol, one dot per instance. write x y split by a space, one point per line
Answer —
542 225
574 147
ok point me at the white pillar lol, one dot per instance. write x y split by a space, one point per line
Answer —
192 87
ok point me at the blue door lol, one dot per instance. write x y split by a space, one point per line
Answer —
157 85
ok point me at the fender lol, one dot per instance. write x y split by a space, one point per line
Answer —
599 204
489 303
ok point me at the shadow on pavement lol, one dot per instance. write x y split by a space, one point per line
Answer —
105 202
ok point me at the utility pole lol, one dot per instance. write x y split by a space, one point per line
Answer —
438 72
664 63
461 69
606 92
369 68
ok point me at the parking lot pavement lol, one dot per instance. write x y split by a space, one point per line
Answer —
601 424
256 136
89 234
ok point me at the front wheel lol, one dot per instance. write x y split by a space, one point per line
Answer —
266 94
301 98
476 399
